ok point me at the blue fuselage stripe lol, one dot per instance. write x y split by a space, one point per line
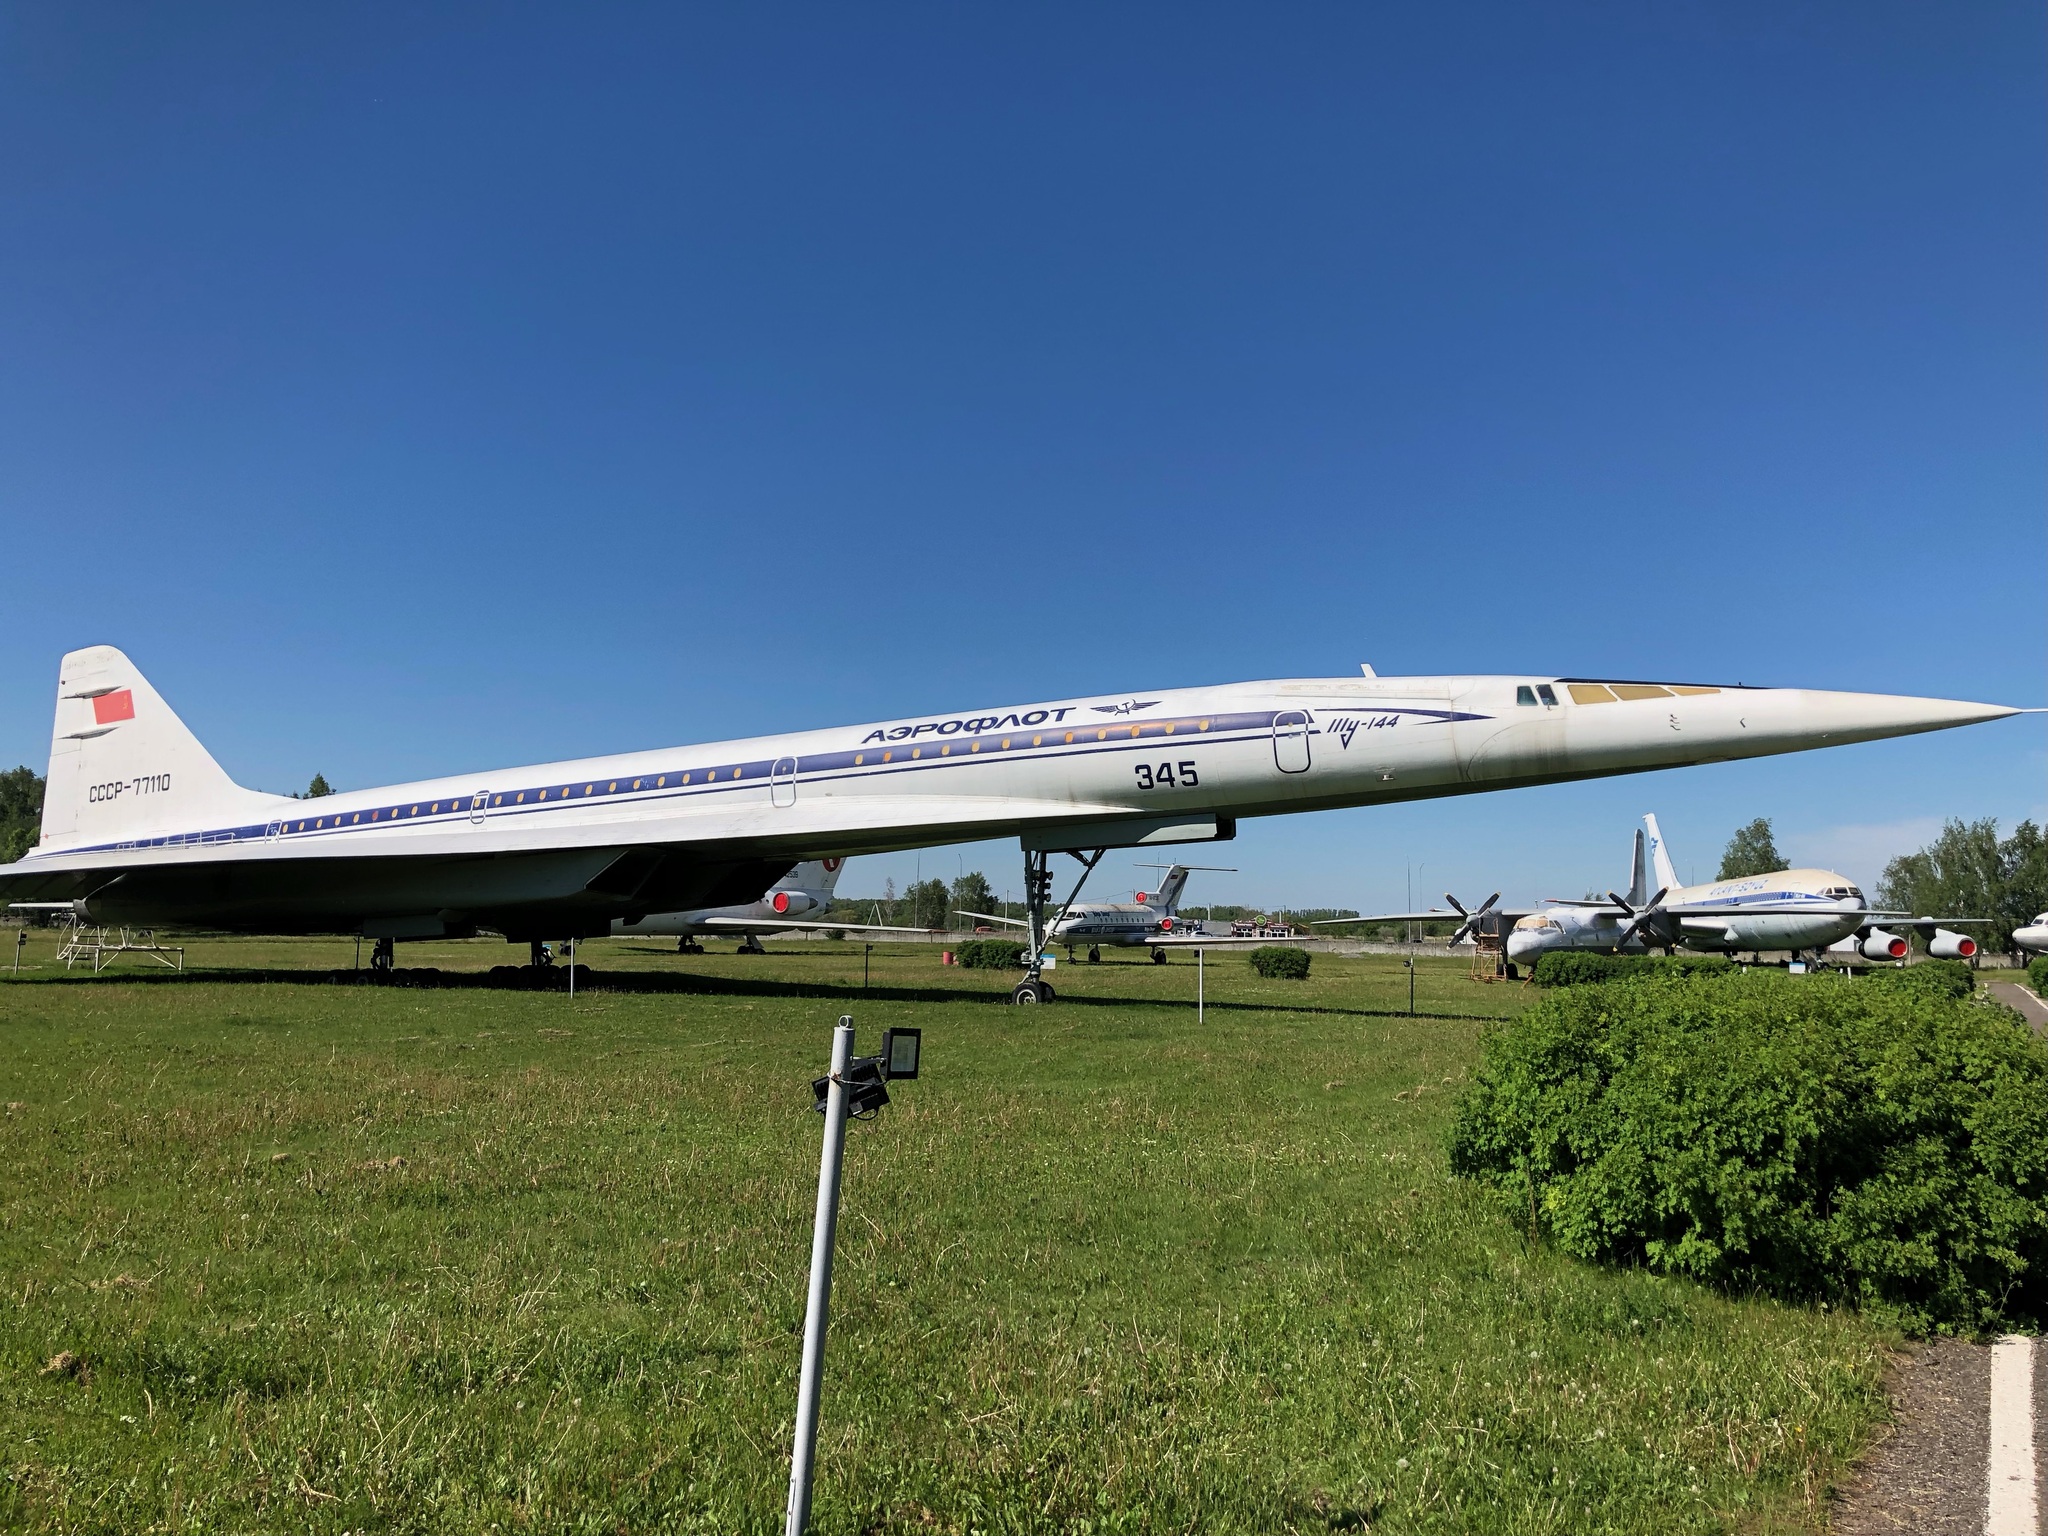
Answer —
865 762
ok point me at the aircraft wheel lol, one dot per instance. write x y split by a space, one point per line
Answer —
1159 957
1030 993
1513 973
1094 955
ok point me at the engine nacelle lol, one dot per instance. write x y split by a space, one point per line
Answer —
1879 945
1951 946
787 903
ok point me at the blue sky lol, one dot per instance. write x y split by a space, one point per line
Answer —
412 389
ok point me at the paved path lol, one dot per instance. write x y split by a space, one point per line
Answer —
2021 1001
1966 1452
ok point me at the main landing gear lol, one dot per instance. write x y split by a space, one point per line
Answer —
1034 988
751 946
381 958
1159 957
688 946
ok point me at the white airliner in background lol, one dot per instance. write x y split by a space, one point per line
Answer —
1796 910
1152 919
781 909
2034 937
141 826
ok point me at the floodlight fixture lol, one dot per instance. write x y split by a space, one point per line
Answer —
899 1052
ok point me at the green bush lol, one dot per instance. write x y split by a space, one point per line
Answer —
2037 973
1281 960
1576 967
1818 1139
990 955
1929 978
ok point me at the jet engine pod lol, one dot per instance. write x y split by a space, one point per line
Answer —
786 902
1951 946
1879 945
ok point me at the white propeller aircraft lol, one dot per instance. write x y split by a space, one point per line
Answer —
1788 909
1153 919
781 909
141 825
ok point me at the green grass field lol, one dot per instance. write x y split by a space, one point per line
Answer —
338 1258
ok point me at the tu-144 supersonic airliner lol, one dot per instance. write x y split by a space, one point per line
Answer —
142 826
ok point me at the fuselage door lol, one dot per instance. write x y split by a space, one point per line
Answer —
782 782
1290 741
481 799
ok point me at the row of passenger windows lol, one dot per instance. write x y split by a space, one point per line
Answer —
1607 693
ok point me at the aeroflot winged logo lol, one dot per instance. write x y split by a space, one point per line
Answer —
1128 707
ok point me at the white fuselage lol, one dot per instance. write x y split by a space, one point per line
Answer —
1831 906
1124 923
2034 937
574 846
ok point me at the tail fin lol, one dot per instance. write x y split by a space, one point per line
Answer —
816 876
1167 897
1660 856
123 765
1639 888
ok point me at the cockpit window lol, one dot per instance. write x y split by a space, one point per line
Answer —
1544 693
1525 695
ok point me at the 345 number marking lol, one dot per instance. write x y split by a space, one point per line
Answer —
1166 776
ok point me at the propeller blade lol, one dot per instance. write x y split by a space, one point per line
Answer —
1471 915
1643 919
1631 911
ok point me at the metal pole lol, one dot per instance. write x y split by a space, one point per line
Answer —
823 1228
20 938
1411 989
572 970
865 951
1198 984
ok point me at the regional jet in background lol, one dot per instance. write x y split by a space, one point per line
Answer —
1796 910
2034 937
807 888
141 825
1153 920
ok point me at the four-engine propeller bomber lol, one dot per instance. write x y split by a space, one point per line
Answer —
141 826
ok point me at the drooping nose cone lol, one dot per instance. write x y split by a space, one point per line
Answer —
1706 725
1796 718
